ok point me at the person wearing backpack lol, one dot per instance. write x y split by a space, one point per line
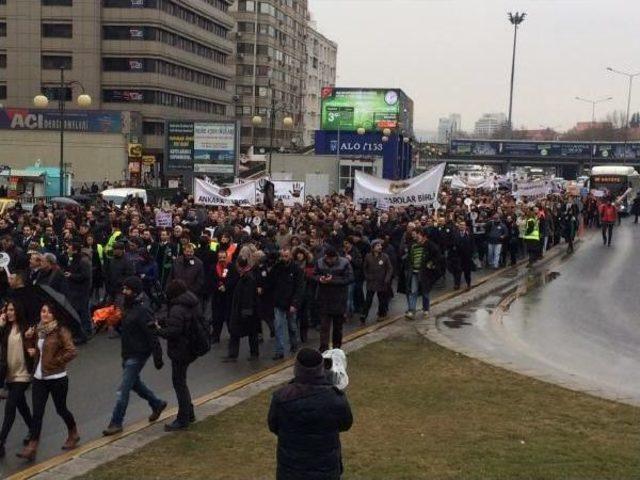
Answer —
182 329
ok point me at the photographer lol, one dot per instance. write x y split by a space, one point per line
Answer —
308 415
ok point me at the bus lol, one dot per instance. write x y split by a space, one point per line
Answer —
614 180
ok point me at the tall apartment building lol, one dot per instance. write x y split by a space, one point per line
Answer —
489 124
322 55
448 126
270 66
167 59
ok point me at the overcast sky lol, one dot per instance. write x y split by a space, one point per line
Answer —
454 56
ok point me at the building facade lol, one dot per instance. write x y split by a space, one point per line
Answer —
322 55
167 59
489 124
270 63
448 127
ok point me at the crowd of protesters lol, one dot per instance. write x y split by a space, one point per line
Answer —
249 271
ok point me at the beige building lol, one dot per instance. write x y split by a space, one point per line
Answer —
167 59
271 46
322 55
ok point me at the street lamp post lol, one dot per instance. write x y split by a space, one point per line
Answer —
515 20
41 101
286 121
626 123
593 103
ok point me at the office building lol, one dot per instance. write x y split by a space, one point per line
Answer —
165 59
490 123
448 127
270 63
322 56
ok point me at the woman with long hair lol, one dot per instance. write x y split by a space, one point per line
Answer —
16 367
55 349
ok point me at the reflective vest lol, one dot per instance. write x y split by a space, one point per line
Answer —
535 232
213 246
108 249
100 253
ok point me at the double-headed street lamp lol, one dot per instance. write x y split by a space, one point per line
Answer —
626 123
287 121
83 100
515 20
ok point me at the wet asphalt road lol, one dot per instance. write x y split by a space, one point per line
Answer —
95 375
578 319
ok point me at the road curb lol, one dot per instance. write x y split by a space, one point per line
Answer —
97 452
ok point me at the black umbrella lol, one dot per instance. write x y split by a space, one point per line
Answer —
65 201
63 310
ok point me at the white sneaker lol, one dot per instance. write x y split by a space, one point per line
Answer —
409 315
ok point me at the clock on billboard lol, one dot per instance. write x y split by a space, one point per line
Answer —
391 97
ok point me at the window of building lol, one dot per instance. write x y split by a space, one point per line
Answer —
57 3
245 48
246 6
262 111
265 50
246 27
159 97
55 62
53 93
263 70
57 30
244 70
153 128
130 3
119 32
3 60
267 8
3 92
3 29
244 89
243 110
219 4
315 62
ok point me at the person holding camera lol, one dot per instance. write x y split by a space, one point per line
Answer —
307 415
138 344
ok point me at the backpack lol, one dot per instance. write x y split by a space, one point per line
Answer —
198 335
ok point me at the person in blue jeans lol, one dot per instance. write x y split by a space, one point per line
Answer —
138 343
287 281
422 267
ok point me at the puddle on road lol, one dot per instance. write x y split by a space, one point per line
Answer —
457 320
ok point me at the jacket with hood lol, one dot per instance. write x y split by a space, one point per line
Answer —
182 310
308 415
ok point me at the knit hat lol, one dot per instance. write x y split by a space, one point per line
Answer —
134 284
309 364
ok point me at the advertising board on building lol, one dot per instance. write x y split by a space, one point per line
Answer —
214 148
349 109
203 147
94 121
179 145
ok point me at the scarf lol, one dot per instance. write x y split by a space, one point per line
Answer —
45 329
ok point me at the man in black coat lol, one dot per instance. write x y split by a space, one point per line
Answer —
118 269
138 343
333 274
78 277
184 307
287 281
188 268
308 415
460 256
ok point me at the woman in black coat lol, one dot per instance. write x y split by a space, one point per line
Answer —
244 320
308 415
184 307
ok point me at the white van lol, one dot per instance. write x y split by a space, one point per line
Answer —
119 195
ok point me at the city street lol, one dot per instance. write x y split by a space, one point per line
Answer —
574 320
95 375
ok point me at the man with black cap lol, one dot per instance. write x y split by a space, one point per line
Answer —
138 343
333 275
308 415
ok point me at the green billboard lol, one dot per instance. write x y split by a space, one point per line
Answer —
348 109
